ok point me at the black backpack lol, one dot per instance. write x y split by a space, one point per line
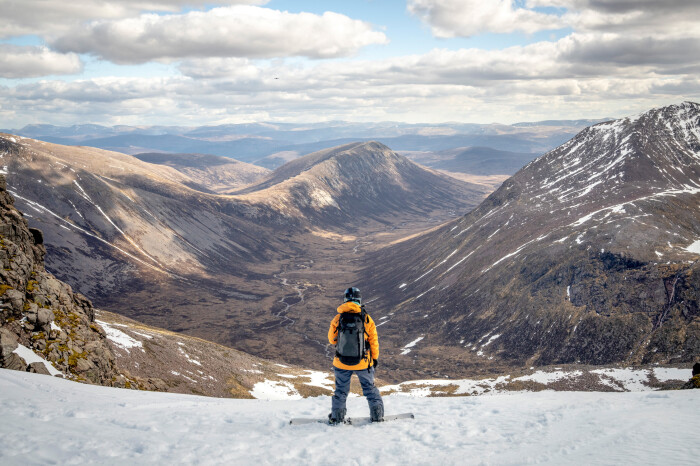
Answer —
351 348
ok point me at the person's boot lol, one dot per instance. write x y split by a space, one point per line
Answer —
376 413
337 416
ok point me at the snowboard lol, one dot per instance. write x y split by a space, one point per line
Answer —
353 421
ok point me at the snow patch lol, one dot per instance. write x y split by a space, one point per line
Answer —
664 374
490 341
119 338
30 357
632 380
546 378
319 379
694 248
82 191
145 335
187 356
275 390
407 348
426 388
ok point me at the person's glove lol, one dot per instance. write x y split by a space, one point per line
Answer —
374 363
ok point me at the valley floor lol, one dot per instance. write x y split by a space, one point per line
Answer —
50 420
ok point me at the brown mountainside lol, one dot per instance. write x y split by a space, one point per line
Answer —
358 182
248 270
210 173
587 255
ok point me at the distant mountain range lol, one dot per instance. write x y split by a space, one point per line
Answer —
589 254
473 160
272 144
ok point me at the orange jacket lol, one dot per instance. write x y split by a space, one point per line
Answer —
370 336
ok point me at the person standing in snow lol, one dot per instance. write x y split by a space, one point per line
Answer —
354 335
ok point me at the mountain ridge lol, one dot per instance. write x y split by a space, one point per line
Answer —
356 180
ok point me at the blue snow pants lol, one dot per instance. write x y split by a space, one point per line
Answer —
342 387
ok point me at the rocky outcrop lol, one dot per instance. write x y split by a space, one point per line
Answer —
694 381
41 314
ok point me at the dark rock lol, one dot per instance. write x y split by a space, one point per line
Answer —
694 382
157 384
15 299
40 345
39 368
84 365
120 381
8 343
15 363
6 229
696 369
37 235
32 313
44 317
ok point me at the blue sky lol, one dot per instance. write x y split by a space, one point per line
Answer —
194 62
407 33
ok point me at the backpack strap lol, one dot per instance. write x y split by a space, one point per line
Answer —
365 320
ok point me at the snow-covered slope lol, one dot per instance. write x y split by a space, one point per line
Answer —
50 420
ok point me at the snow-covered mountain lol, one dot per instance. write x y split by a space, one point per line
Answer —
48 420
588 254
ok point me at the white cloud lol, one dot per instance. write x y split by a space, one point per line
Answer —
646 17
453 18
618 60
465 18
51 17
238 31
27 62
581 75
575 57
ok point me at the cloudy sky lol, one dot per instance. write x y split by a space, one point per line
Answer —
193 62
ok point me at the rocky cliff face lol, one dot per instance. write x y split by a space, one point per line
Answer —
44 326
